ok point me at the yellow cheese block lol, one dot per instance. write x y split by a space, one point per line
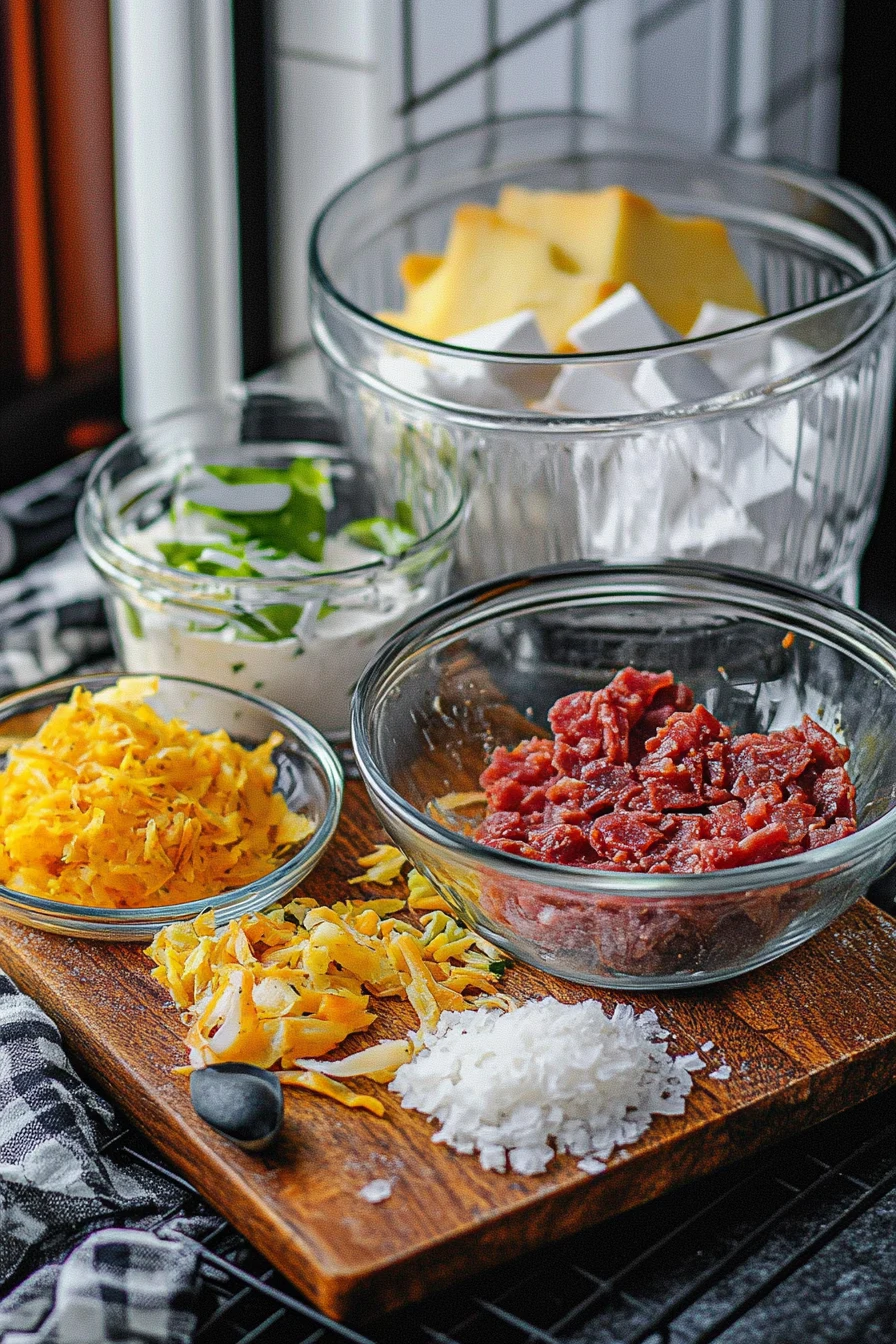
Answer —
416 267
492 269
676 263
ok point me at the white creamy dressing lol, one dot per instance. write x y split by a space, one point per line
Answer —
314 670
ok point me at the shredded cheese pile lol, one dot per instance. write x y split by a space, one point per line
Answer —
285 987
110 805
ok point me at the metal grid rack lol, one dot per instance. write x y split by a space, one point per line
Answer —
793 1245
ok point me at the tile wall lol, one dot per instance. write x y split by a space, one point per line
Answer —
355 79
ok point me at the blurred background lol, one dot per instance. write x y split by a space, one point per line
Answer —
161 163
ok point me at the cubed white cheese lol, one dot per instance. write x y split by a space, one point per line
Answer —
465 382
519 334
789 356
716 317
675 380
590 390
732 360
624 321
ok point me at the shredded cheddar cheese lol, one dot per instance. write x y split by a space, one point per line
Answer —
383 866
110 805
283 988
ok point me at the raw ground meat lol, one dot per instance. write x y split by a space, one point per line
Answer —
639 779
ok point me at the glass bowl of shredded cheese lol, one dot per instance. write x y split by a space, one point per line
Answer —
127 803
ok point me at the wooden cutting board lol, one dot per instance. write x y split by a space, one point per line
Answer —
805 1037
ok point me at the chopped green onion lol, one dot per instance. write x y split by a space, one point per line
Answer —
300 526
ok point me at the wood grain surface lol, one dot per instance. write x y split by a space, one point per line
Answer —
804 1037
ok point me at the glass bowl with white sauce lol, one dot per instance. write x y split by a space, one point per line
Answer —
241 544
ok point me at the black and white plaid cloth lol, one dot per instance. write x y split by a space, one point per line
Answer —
58 1189
78 1262
52 620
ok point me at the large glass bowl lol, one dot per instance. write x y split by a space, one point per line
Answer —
304 639
484 667
308 775
780 472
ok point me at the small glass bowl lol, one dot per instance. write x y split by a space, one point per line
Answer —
168 619
308 775
483 668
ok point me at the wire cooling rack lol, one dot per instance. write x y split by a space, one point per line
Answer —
794 1245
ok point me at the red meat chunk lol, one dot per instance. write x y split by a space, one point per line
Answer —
640 779
674 794
727 822
825 748
621 835
834 793
609 713
562 844
683 733
838 828
528 764
770 757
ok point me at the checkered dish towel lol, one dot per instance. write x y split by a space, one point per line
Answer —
57 1188
121 1282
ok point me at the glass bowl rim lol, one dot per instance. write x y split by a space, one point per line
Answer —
844 194
112 557
317 746
445 620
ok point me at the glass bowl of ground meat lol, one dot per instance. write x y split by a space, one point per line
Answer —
640 776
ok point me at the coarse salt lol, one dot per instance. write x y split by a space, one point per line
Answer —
723 1072
546 1078
376 1191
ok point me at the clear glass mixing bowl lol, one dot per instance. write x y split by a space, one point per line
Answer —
780 472
308 775
483 668
301 639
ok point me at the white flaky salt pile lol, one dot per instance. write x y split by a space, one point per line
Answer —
546 1078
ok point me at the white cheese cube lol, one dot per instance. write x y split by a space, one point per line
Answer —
406 374
677 379
735 360
759 475
789 356
591 391
519 334
716 317
516 335
465 382
624 321
676 511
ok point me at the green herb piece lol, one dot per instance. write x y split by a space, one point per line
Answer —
196 629
300 526
404 515
389 536
186 555
237 667
275 621
257 685
132 616
326 609
498 967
